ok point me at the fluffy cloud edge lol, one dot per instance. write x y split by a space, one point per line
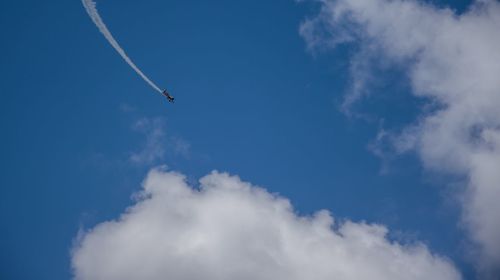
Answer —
230 229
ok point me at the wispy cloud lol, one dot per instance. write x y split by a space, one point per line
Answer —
157 145
453 60
154 146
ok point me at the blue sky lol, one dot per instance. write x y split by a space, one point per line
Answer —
250 100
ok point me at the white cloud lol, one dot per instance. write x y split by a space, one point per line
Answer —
229 229
153 148
454 60
157 145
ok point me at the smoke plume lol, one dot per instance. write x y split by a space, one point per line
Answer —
90 6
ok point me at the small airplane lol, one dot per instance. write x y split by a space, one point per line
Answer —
169 97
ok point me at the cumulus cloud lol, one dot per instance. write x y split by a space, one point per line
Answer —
453 61
229 229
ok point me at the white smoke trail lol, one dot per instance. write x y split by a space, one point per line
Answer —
90 6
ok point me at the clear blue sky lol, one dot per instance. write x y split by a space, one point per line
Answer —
250 100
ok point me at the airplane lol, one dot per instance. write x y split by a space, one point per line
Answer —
168 96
